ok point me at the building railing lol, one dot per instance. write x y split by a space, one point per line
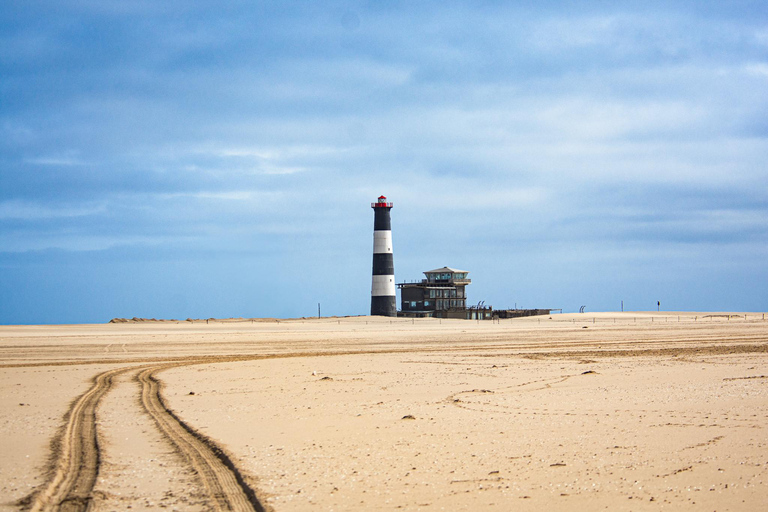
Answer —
382 205
442 283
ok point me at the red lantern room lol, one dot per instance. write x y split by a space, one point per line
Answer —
381 202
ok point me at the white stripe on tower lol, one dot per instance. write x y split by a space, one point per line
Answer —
383 295
382 242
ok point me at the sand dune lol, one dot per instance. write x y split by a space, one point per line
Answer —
624 411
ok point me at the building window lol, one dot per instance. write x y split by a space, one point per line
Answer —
426 303
431 294
413 303
453 292
439 304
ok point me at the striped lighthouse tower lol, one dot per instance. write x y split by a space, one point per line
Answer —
383 301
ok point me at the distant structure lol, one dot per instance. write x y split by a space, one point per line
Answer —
383 294
443 294
443 290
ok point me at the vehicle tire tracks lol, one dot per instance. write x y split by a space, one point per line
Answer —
220 477
76 455
76 452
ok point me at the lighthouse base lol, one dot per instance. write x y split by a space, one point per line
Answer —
384 305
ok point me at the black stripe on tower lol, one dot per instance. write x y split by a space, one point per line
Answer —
381 220
383 305
383 264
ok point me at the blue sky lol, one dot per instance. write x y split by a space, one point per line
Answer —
188 159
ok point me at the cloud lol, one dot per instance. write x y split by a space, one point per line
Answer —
59 161
23 210
758 68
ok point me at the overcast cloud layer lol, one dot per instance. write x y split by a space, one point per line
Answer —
184 159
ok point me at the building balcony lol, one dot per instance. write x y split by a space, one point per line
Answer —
446 282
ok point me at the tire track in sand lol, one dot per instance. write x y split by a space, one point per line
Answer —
77 458
221 478
77 453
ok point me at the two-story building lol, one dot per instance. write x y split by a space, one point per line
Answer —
441 294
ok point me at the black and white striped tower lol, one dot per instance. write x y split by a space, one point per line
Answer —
383 298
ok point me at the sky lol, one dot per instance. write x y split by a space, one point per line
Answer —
218 159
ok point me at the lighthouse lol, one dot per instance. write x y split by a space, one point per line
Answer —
383 298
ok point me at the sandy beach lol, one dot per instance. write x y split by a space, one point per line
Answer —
594 411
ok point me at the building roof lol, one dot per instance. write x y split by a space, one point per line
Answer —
446 269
